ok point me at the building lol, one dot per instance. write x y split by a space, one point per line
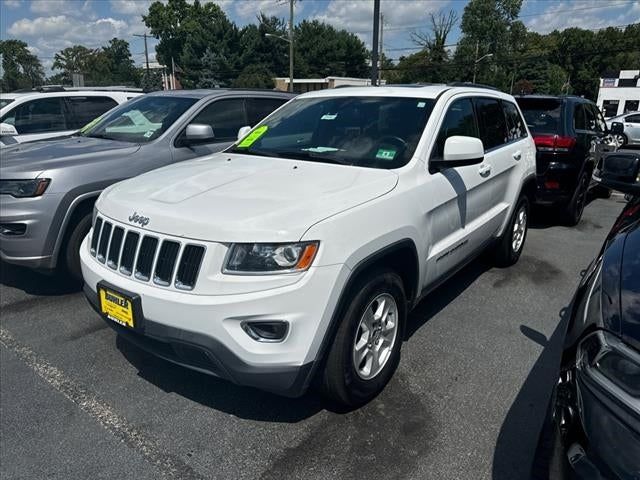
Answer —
619 93
301 85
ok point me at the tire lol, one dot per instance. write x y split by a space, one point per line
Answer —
621 140
346 383
601 192
71 262
511 243
575 208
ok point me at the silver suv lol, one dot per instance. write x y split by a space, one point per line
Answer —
48 188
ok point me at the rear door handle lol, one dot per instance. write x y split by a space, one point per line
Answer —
484 170
517 155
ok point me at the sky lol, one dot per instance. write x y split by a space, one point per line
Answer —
48 26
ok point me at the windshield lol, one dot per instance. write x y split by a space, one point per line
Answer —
5 101
377 132
140 120
541 114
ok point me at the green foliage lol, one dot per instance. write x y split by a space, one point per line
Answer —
21 69
109 65
255 76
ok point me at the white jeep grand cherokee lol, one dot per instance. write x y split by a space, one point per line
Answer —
297 253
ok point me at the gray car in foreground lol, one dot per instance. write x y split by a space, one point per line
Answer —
48 188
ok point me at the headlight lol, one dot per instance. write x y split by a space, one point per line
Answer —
24 188
265 258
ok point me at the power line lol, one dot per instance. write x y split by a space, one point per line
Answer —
456 44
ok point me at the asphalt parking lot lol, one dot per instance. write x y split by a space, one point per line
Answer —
467 401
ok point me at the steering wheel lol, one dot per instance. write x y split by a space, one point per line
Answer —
392 139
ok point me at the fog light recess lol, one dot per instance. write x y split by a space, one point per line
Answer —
270 331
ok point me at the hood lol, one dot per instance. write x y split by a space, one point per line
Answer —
242 198
36 157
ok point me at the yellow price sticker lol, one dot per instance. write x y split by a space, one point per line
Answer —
253 136
90 124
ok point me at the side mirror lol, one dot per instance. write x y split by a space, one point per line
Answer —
243 132
197 133
7 129
617 128
460 151
620 171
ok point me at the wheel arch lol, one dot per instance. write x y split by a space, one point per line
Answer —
401 256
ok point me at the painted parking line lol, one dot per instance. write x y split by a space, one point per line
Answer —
169 465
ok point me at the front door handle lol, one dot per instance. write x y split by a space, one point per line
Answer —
484 170
517 155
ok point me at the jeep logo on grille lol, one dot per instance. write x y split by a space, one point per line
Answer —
139 219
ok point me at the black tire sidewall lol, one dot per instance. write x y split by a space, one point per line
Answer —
71 261
505 256
353 390
573 215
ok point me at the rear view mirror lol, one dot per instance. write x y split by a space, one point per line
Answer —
620 171
617 128
243 131
460 151
7 129
197 133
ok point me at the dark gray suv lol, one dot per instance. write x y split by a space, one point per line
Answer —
48 188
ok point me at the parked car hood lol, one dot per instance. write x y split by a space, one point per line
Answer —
36 157
241 198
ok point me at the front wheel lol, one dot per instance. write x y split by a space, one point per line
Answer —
366 350
71 261
511 243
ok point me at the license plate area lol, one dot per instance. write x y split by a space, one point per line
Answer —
120 306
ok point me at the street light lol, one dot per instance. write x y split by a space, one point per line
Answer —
475 64
289 41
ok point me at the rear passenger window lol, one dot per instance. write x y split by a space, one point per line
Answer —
226 117
459 120
516 126
38 116
633 118
492 123
579 119
84 109
258 108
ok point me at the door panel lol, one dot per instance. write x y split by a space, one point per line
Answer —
455 201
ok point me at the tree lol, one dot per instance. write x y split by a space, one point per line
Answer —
94 64
255 76
186 31
21 69
121 65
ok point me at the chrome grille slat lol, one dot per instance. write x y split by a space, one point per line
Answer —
115 247
169 262
104 242
129 250
97 229
166 262
189 267
146 256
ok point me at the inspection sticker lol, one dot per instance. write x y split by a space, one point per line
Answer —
329 116
385 154
421 104
253 136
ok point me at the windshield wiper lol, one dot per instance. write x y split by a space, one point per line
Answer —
312 157
99 135
261 153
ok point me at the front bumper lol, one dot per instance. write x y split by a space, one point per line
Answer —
204 332
208 355
34 248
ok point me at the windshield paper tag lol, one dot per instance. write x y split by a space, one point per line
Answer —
253 136
329 116
386 154
421 104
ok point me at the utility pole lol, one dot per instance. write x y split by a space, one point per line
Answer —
475 61
374 53
291 45
381 49
146 50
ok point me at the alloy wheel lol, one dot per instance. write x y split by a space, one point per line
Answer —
375 336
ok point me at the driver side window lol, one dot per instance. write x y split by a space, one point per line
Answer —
459 120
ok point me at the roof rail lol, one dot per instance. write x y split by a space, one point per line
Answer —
472 85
